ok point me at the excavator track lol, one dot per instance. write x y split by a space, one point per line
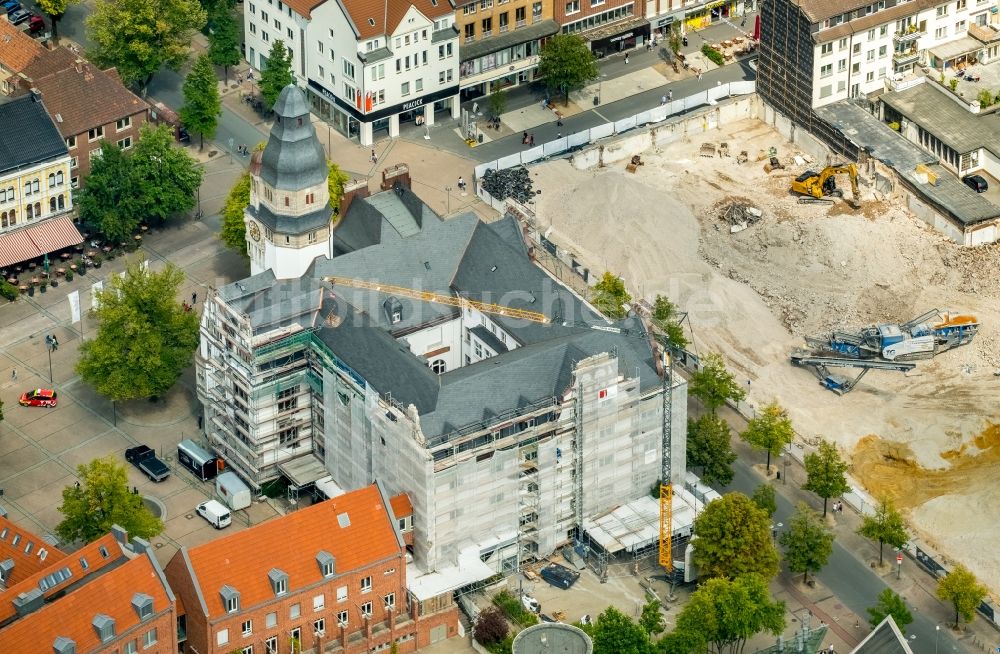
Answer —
815 201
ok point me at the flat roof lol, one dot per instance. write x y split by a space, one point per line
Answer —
872 135
957 127
636 525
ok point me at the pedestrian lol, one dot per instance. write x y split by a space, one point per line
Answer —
626 58
699 74
239 78
55 343
461 184
670 96
558 122
649 45
531 140
246 150
200 419
558 135
524 139
78 485
663 99
374 157
194 298
250 75
13 374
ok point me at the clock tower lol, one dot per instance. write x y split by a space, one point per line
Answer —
288 218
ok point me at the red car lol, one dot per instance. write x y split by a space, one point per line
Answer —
39 397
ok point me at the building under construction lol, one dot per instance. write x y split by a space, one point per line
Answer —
438 358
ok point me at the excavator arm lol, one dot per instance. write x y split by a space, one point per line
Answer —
814 184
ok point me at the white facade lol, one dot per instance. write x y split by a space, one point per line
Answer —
267 21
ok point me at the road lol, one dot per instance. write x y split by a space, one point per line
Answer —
850 579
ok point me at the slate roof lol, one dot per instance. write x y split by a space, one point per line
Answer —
886 638
25 563
505 40
29 136
293 158
291 224
71 616
956 127
86 98
373 18
290 543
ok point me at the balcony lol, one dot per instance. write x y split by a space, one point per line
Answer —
909 35
908 57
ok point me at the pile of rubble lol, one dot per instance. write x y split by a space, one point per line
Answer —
509 183
740 216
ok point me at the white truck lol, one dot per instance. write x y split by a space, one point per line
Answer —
233 491
216 513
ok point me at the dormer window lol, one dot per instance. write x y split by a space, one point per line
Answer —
327 564
143 606
393 310
230 598
63 645
279 581
105 627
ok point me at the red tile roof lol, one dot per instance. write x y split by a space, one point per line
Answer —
401 505
91 553
17 49
26 564
83 96
304 7
291 543
376 17
72 615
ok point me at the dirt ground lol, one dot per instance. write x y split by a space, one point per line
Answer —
926 437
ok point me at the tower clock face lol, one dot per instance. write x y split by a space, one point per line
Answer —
254 231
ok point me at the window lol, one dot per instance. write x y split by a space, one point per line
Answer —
826 91
870 77
572 6
253 9
52 180
342 619
253 28
519 13
841 65
149 638
348 69
264 36
470 34
125 143
960 5
941 32
59 178
319 601
842 44
271 645
294 611
882 51
95 133
247 627
341 593
222 637
271 620
390 601
319 45
290 33
487 26
366 584
123 123
960 27
70 141
883 31
871 34
131 647
366 610
870 56
856 49
826 49
942 11
485 4
438 366
469 9
290 434
404 88
826 71
247 650
419 85
230 598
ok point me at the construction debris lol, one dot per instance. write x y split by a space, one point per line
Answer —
742 157
634 164
509 183
707 150
723 149
740 216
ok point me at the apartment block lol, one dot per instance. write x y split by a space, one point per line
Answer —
328 578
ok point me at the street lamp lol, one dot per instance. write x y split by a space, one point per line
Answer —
600 88
937 632
448 189
50 344
787 454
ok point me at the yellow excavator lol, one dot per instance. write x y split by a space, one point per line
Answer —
815 187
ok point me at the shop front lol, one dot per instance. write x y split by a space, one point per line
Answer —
363 126
618 37
503 61
713 12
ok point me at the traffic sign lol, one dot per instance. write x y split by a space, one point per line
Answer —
899 559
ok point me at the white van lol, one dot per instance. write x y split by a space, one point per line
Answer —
216 513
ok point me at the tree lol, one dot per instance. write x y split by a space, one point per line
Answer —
335 181
708 448
107 201
665 319
890 603
224 39
166 178
55 10
202 103
825 473
100 500
144 340
277 74
138 37
733 537
651 619
616 633
723 614
234 228
713 384
770 430
808 542
763 497
491 626
885 526
567 63
965 593
497 102
610 296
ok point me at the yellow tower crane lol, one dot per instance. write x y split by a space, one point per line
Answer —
666 488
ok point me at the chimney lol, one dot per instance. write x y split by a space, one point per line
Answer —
356 188
78 64
398 175
36 95
120 534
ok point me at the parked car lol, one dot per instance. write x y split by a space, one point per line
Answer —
19 16
559 576
216 513
11 7
976 182
144 458
36 24
530 603
39 397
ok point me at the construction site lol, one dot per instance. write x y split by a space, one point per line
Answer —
807 286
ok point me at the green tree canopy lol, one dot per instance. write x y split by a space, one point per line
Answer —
335 181
567 63
277 74
734 538
165 177
145 339
763 497
491 626
55 9
708 448
713 384
723 614
202 102
610 296
138 37
651 620
224 38
234 229
890 603
826 473
965 593
808 542
885 525
666 319
101 500
616 633
770 430
107 202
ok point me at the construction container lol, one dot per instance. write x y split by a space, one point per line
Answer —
205 466
233 491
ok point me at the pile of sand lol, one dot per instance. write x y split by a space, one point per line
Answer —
805 269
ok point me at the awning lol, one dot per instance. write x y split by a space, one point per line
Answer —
613 29
42 238
957 48
303 471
